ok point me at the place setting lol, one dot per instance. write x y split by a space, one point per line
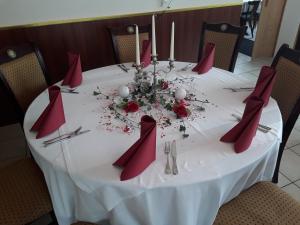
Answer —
147 132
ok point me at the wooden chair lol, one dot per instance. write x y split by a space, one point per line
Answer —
123 41
24 195
227 39
250 15
23 74
262 204
286 91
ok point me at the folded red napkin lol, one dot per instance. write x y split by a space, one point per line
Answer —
73 77
146 53
243 133
264 84
142 153
53 116
207 61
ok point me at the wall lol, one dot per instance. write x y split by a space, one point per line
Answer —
290 24
92 41
17 12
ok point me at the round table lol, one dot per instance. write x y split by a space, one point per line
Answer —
84 185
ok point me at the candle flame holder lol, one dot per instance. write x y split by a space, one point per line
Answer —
171 64
154 73
139 68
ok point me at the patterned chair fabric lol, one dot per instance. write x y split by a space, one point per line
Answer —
25 78
24 195
227 39
262 204
126 46
123 40
286 89
225 46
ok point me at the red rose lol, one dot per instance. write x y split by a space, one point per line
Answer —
164 85
181 111
131 107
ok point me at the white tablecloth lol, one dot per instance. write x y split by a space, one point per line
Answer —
85 186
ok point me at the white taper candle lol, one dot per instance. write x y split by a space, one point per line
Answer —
153 36
137 46
172 41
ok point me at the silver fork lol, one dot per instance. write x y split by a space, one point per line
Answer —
174 157
167 152
67 137
69 90
62 136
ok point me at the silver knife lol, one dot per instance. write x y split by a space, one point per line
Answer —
66 137
174 157
69 90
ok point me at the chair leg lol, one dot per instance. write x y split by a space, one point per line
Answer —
276 172
251 25
53 217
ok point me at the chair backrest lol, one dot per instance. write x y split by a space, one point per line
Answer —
123 40
23 73
227 39
286 89
252 7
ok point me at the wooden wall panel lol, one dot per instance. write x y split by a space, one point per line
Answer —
92 40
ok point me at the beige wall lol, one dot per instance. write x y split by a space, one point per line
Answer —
19 12
290 24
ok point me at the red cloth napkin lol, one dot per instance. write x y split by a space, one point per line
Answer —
146 53
53 116
142 153
264 84
73 77
243 133
207 61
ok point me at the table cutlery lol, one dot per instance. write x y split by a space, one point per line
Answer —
174 157
69 90
66 137
123 67
185 68
240 89
167 152
63 135
261 127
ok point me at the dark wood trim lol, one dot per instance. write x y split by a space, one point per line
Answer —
293 56
230 29
288 53
124 30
